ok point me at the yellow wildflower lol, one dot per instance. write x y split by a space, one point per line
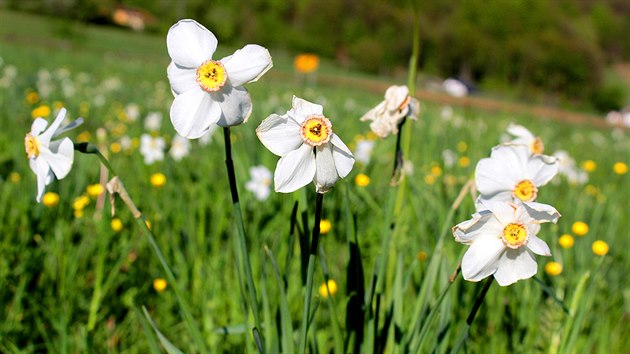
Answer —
600 248
566 241
50 199
159 285
81 202
115 148
362 180
464 161
158 180
553 268
116 224
331 289
620 168
32 97
580 228
462 146
422 256
429 179
589 165
306 63
14 177
94 190
42 111
324 226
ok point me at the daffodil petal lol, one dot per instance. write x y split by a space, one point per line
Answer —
325 173
538 246
503 211
295 170
190 44
481 258
247 64
279 134
519 131
44 138
181 79
302 109
543 169
193 112
344 160
539 212
492 178
38 126
515 265
236 105
42 169
482 225
60 157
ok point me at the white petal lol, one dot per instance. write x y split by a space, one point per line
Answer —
279 134
492 178
482 225
295 170
181 79
519 131
302 109
45 137
541 212
344 160
38 126
42 170
325 172
193 112
60 157
235 103
538 246
247 64
505 212
542 169
190 44
75 123
515 265
481 259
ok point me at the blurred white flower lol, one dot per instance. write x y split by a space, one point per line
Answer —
49 159
180 147
126 143
455 87
152 148
387 115
568 168
363 151
503 241
153 121
309 149
208 91
449 157
260 182
512 172
132 111
522 136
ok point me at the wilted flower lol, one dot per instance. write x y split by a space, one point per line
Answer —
49 159
522 136
309 149
387 115
260 182
513 173
152 148
180 147
208 91
503 241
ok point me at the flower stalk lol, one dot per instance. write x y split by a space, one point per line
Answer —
236 208
310 272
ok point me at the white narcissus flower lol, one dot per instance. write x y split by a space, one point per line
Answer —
522 136
503 241
309 150
152 148
363 151
387 115
513 173
260 182
208 91
153 121
49 159
568 168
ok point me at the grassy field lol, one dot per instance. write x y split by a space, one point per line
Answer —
72 283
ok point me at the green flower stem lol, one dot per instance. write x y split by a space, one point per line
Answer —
116 186
236 208
473 312
309 275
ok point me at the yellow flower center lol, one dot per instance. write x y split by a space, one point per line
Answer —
525 190
211 75
316 130
514 235
537 147
31 144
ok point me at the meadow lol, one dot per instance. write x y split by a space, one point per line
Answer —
75 278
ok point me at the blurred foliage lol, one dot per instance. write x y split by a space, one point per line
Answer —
559 47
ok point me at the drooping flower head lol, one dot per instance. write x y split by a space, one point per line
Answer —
209 91
522 136
513 173
49 159
387 115
309 150
503 241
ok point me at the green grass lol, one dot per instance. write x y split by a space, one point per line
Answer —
51 261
